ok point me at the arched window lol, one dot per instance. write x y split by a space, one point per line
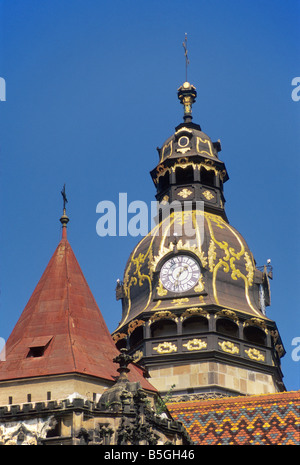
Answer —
164 182
207 177
184 175
55 431
255 335
136 336
195 324
228 327
121 344
163 328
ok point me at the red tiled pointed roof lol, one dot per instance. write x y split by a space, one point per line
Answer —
61 329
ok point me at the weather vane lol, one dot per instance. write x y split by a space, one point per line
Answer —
187 61
63 193
187 92
64 219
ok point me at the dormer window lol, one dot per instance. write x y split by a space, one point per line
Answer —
38 346
36 351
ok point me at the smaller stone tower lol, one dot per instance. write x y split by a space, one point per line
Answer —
58 379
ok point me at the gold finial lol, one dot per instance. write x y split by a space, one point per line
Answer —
64 218
187 95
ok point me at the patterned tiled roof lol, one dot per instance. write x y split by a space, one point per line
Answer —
270 419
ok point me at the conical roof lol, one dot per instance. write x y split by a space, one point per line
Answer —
61 329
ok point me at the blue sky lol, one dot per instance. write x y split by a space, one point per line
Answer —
91 92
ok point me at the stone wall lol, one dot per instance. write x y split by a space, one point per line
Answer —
206 375
51 388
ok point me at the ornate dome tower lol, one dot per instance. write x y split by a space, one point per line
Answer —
193 301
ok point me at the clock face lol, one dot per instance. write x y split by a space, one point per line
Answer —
180 273
183 141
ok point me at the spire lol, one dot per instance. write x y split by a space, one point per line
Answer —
187 92
64 219
61 330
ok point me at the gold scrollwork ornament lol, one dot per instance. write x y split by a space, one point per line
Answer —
255 354
200 285
211 255
194 311
257 322
227 313
229 347
161 291
138 355
118 336
208 195
182 301
249 268
195 344
162 315
165 348
180 247
184 193
134 324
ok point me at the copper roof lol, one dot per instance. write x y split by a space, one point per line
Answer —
61 329
227 262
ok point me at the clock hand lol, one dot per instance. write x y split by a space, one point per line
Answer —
181 271
179 274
